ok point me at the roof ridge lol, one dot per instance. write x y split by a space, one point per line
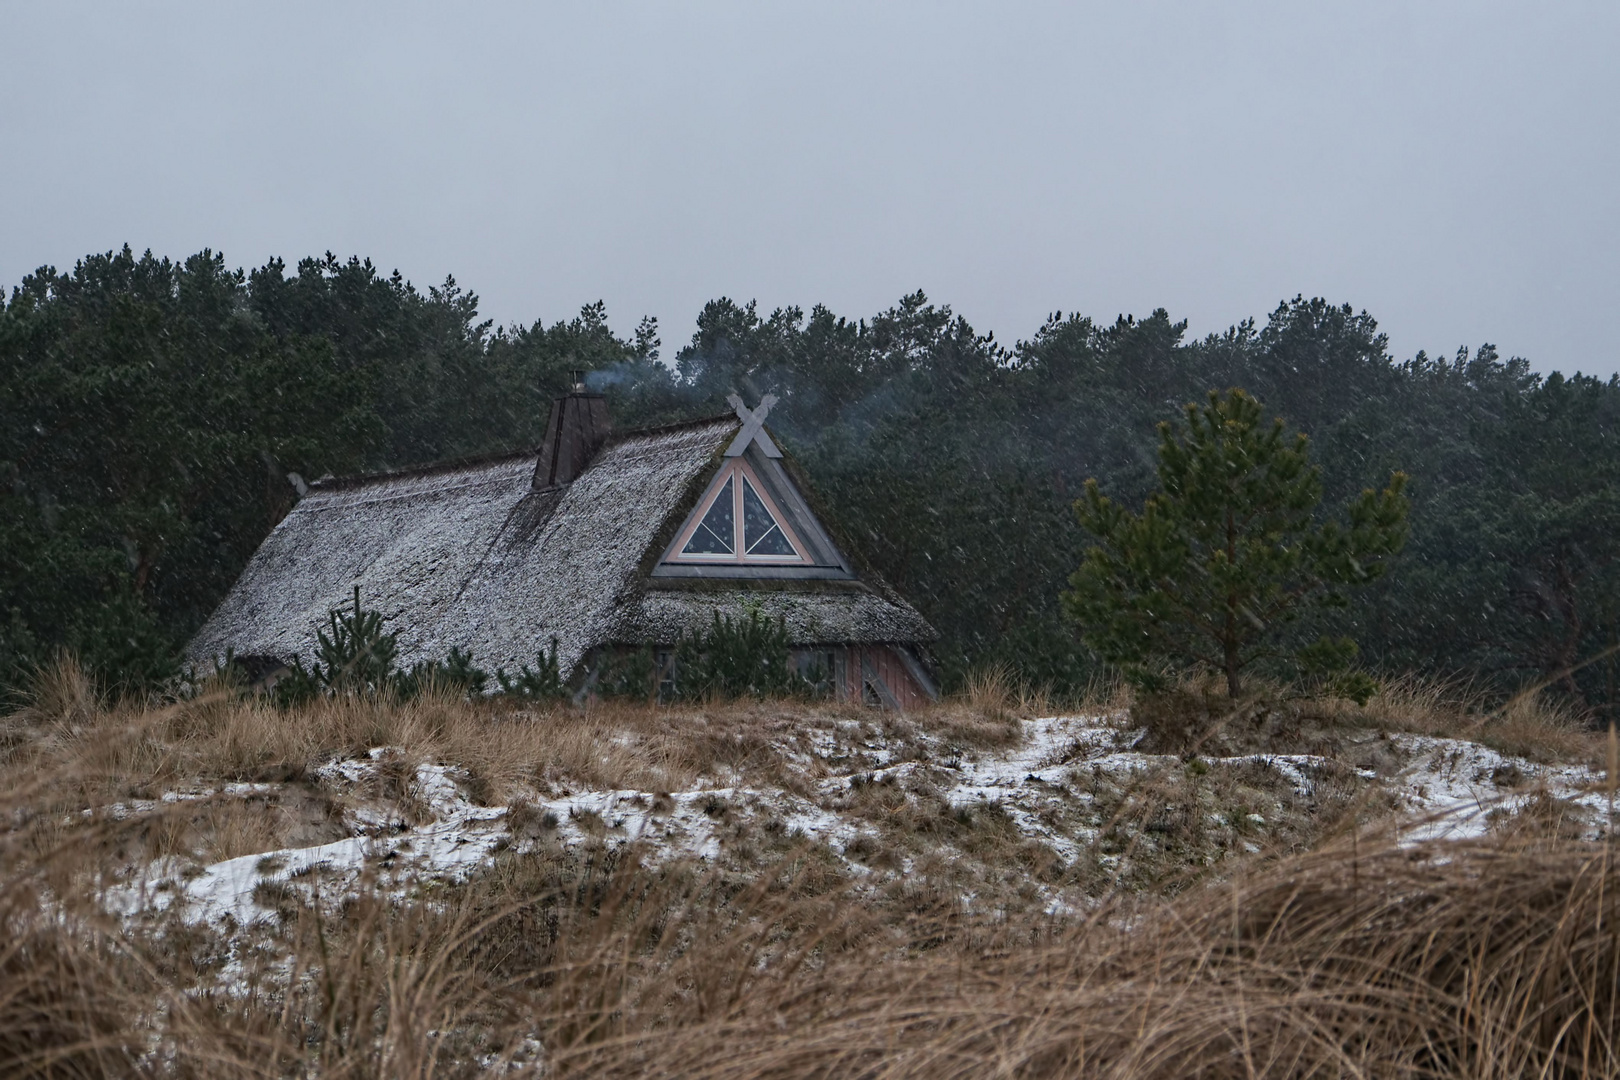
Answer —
664 429
335 483
338 483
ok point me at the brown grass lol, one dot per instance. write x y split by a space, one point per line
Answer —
1195 715
1494 960
133 751
1534 725
97 753
1358 958
996 692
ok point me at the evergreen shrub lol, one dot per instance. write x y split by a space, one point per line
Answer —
544 683
748 657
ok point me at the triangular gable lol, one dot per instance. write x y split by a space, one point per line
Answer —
751 520
738 523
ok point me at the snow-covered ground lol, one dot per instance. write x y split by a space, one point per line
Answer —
1448 788
1454 789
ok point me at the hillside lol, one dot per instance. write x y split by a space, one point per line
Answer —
443 888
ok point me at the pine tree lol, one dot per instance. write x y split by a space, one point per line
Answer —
1227 551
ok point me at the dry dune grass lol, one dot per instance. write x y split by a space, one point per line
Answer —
132 750
1531 725
996 692
135 750
66 751
1490 962
1478 960
1362 958
1197 715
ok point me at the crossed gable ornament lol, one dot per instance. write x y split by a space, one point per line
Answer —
753 429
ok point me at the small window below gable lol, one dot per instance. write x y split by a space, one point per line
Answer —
738 523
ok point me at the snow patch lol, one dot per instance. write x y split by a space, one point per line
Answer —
1452 787
1448 788
458 839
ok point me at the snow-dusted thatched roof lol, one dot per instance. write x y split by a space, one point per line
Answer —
472 556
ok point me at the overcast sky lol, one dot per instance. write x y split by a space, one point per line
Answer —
1451 168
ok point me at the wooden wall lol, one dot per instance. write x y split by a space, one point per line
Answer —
878 675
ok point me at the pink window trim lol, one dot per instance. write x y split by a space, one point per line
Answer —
737 467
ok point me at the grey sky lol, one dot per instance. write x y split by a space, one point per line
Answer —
1449 167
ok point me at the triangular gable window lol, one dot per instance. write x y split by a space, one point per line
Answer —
738 523
762 535
716 534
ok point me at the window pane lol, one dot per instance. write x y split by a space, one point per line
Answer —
761 534
716 533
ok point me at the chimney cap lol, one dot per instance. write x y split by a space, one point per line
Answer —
576 379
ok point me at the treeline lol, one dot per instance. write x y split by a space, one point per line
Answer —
156 418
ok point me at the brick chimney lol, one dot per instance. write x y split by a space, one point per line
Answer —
578 427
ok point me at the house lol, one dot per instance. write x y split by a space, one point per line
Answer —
602 542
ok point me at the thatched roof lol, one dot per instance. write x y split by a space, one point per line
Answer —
471 555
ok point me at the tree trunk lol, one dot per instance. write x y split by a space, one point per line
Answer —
1231 660
143 570
1229 641
1568 602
